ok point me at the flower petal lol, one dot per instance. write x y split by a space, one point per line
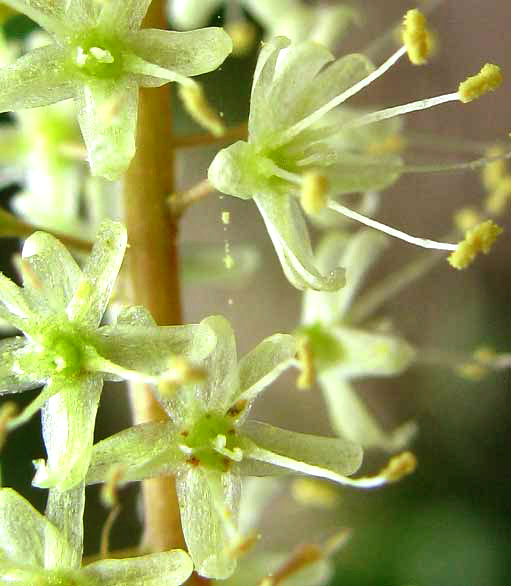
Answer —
351 419
143 451
68 421
365 353
46 13
99 274
12 378
124 15
107 114
169 568
191 14
14 307
326 457
262 365
209 503
38 78
189 53
25 546
49 270
286 227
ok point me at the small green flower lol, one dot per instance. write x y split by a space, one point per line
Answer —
343 349
291 18
100 57
59 310
34 551
209 445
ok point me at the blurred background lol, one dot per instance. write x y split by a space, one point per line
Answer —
448 524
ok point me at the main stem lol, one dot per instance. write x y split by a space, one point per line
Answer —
154 273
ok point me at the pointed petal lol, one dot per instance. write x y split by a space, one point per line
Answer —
12 378
143 451
36 79
209 503
326 457
125 15
191 14
13 303
64 509
260 367
99 274
189 53
50 270
46 13
25 546
286 227
33 407
351 419
68 421
370 354
107 114
169 568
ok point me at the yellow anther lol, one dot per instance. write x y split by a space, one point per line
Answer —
496 202
466 218
314 196
477 239
493 173
196 104
306 360
394 143
487 80
400 466
417 39
315 493
471 372
226 218
243 34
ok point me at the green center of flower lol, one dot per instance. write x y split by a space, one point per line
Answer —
98 56
212 441
326 349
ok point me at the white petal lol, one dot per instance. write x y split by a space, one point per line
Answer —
126 14
12 379
99 274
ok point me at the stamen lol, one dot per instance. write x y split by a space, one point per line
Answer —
416 37
314 196
478 239
200 110
422 242
308 121
487 80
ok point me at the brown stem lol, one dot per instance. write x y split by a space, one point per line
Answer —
154 272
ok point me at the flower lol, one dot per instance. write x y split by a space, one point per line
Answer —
33 550
209 445
343 349
291 18
100 57
59 311
294 129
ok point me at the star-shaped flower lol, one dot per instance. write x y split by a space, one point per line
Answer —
35 551
100 57
343 349
295 149
59 310
291 18
209 445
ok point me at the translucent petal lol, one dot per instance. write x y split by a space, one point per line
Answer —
47 13
143 451
351 419
13 303
64 509
262 365
50 270
99 274
326 457
33 407
38 78
169 568
107 114
24 546
191 14
209 503
286 227
68 421
123 15
370 354
356 254
186 53
12 378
